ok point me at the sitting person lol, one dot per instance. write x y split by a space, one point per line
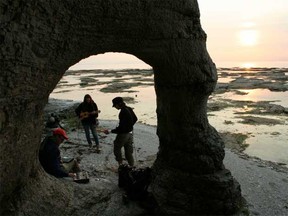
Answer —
53 122
50 159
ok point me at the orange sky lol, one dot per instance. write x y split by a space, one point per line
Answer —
240 33
246 31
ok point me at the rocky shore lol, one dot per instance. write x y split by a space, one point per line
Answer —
248 107
264 184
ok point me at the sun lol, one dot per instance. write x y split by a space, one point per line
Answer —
248 65
248 37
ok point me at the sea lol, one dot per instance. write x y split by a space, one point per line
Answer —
107 76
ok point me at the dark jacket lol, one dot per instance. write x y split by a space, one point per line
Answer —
49 156
127 119
87 107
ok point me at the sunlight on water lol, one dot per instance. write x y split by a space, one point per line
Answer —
266 142
264 64
225 80
279 98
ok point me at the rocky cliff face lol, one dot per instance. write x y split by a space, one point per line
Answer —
40 40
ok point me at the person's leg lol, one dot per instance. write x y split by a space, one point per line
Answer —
87 134
118 144
128 147
95 135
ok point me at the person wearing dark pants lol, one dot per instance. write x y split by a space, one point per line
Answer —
87 112
124 140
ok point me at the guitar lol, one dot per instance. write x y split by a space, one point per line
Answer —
84 115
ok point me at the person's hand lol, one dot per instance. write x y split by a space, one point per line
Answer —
72 175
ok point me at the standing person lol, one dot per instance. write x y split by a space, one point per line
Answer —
124 138
50 159
88 111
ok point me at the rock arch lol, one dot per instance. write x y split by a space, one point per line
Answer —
41 39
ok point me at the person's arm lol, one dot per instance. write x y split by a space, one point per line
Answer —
55 165
78 110
95 110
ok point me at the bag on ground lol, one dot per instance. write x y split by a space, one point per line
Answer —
134 181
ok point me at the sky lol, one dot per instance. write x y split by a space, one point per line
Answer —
246 30
240 33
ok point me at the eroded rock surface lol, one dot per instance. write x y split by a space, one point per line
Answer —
40 40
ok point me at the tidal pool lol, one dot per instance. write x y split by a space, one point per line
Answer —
265 139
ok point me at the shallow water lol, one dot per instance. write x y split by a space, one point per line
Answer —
268 142
279 98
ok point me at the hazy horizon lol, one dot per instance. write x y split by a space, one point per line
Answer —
240 33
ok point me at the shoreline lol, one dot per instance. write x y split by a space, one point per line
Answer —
248 107
264 184
234 142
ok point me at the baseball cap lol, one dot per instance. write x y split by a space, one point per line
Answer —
60 131
117 100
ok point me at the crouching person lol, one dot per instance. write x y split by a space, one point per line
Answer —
50 158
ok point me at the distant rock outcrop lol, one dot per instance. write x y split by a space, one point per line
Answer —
40 40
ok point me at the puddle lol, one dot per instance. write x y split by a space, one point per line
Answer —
279 98
242 112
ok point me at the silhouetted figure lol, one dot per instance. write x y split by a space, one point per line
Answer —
87 112
124 131
50 158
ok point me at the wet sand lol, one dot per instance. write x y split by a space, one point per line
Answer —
263 183
248 108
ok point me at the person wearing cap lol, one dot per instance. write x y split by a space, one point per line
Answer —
50 159
124 138
87 112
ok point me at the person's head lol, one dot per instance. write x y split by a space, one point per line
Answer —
60 135
87 98
118 102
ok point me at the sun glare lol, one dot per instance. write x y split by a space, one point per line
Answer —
248 37
248 65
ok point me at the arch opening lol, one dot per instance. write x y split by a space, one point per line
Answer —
106 77
171 40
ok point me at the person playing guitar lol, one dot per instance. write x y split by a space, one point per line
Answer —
84 115
87 112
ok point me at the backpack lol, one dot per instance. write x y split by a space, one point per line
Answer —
134 181
133 115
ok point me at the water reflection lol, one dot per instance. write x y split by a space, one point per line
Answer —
262 141
279 98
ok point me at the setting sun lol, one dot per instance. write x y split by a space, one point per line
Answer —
248 37
248 65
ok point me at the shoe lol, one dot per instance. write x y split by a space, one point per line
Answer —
98 151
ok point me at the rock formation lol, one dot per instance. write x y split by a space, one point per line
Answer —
40 40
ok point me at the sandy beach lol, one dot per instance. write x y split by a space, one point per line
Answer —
249 107
263 183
